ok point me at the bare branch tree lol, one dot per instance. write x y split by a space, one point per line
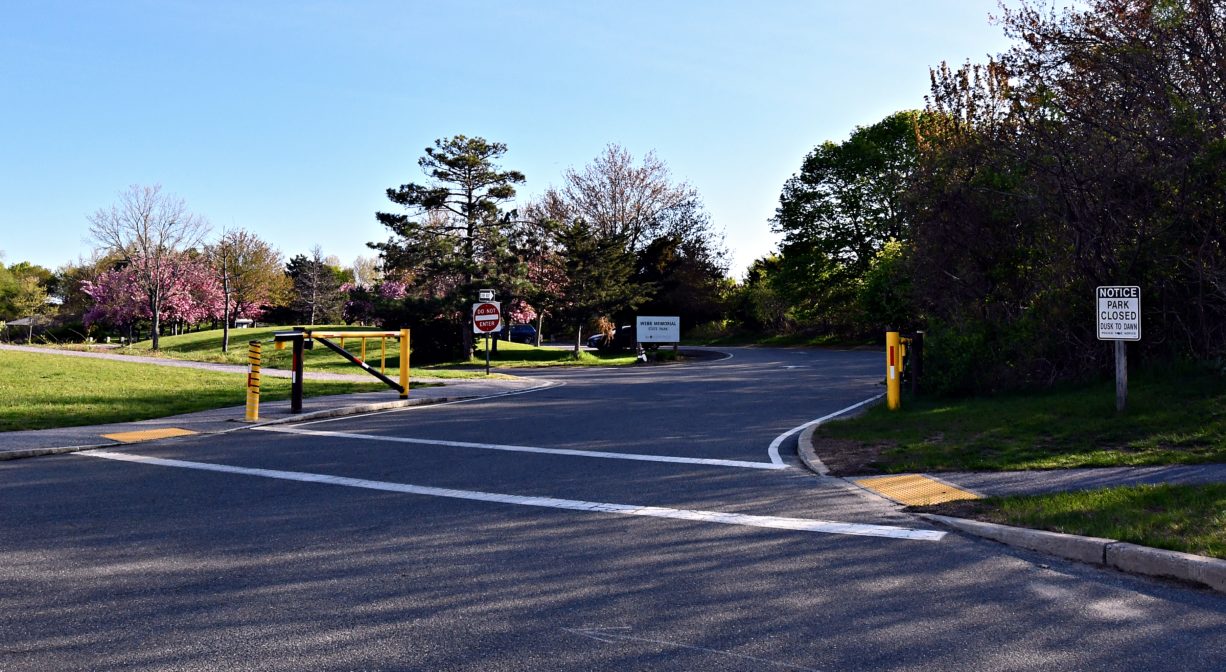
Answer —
619 198
148 229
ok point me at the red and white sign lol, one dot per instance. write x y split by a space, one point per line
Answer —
487 317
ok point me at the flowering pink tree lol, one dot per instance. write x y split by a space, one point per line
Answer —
117 299
393 290
191 294
521 312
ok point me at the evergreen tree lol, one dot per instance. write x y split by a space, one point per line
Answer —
455 238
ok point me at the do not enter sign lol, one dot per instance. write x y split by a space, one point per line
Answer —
487 317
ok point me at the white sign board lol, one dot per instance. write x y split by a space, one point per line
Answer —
658 329
487 317
1119 313
485 295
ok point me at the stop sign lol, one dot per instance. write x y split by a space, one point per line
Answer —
487 317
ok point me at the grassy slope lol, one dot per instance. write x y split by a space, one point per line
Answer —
1173 417
44 391
518 355
205 346
1191 519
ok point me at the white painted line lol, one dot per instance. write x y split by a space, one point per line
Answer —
773 451
772 522
549 385
526 449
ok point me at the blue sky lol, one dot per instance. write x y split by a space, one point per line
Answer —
292 119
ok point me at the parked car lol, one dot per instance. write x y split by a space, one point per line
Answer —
623 339
522 333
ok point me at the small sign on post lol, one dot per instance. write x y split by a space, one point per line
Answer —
1119 319
487 318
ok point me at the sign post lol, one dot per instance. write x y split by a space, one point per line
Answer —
487 318
1119 320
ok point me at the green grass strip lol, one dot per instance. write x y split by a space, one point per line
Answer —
1188 518
47 391
1177 416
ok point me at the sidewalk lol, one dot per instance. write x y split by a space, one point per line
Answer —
30 443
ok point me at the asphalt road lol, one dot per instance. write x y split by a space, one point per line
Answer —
473 537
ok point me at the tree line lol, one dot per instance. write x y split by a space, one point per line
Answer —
1093 152
618 236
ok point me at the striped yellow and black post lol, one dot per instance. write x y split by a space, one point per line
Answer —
404 363
253 381
893 370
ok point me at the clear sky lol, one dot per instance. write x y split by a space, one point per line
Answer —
292 119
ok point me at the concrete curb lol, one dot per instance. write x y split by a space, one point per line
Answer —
315 415
804 442
1120 555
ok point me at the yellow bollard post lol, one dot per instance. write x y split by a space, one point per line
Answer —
404 363
363 358
893 386
253 381
383 355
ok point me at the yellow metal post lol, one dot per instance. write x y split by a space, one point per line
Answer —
363 349
404 363
253 381
383 355
893 370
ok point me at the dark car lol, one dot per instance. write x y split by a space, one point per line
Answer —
522 333
622 340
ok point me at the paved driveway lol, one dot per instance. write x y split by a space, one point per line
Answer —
628 519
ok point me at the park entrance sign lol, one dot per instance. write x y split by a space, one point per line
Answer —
652 329
1119 313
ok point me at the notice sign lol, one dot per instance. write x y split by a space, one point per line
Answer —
658 329
1119 313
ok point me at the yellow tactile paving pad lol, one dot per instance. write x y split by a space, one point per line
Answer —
914 489
148 434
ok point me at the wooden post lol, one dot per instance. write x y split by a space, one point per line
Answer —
1121 375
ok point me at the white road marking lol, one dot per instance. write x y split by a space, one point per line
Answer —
527 449
604 635
773 451
772 522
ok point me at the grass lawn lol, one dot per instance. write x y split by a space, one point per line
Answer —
1188 518
205 346
517 355
45 391
1174 416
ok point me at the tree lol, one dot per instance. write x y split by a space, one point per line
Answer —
1090 153
366 272
677 258
618 198
29 300
455 234
148 229
597 270
66 285
190 293
838 212
317 287
251 275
